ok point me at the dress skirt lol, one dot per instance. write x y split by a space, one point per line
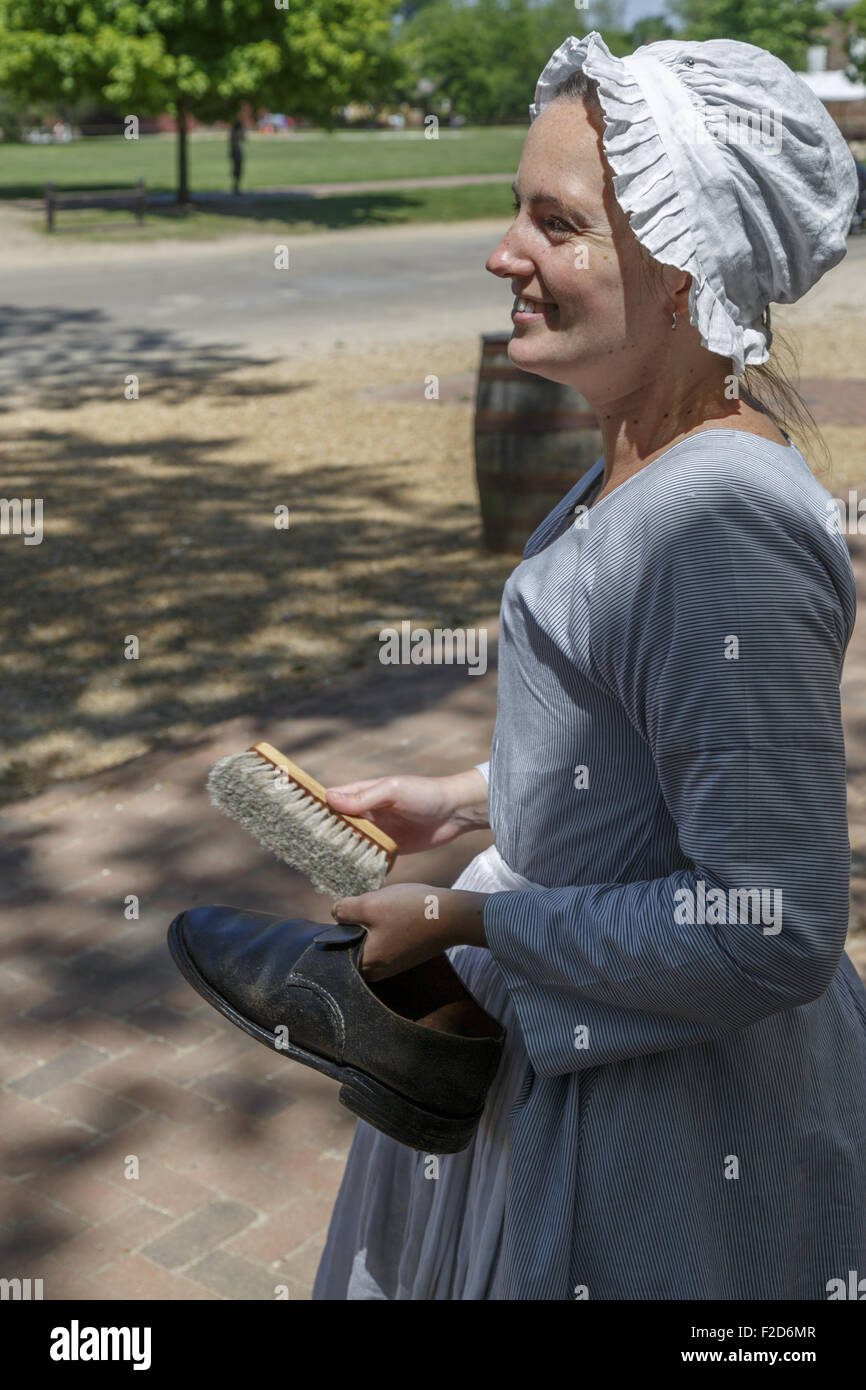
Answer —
408 1225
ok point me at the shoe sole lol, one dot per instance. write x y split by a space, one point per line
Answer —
386 1110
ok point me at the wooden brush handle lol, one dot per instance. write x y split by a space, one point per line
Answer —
303 779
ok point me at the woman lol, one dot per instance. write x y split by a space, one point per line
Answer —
681 1110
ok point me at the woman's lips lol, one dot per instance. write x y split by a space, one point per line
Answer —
531 310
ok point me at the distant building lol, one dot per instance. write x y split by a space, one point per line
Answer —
827 62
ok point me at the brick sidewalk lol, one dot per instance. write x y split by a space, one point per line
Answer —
108 1057
105 1051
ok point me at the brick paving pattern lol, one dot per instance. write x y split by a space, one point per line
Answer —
148 1149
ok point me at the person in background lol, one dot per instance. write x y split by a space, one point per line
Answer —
236 154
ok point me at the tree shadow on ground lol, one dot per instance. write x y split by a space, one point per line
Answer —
79 355
171 540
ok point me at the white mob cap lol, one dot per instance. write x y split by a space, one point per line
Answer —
731 169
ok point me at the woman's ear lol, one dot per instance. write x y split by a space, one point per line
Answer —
676 285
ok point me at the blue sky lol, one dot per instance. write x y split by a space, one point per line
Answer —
637 9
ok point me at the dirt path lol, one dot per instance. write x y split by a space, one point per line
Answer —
159 523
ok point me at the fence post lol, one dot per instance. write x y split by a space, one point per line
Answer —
140 200
49 206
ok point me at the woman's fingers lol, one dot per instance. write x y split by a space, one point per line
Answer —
355 786
343 909
359 796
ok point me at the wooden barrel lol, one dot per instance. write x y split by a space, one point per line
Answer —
533 440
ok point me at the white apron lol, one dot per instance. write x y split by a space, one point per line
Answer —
410 1226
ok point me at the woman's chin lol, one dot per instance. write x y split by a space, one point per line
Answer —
532 353
540 359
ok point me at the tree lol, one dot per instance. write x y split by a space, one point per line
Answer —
856 42
200 57
784 27
408 9
486 57
651 29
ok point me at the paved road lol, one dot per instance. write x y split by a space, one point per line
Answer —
79 313
191 307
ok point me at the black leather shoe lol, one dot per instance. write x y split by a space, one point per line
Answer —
415 1053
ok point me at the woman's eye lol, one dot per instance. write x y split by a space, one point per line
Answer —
553 224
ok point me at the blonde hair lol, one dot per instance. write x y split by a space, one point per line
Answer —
768 386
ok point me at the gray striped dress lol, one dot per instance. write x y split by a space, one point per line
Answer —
681 1112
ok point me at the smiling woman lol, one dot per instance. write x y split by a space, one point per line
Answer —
659 925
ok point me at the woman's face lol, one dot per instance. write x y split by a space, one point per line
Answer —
601 324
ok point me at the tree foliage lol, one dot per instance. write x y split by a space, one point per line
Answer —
486 57
205 57
651 28
784 27
856 41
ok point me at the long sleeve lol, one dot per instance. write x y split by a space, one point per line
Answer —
484 769
723 641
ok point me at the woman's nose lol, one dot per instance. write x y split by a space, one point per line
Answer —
506 260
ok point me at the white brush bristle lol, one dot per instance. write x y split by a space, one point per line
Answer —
293 825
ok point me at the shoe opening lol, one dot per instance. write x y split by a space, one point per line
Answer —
433 996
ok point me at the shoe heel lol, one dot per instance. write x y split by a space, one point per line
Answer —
407 1123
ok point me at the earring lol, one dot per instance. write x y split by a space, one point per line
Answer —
674 324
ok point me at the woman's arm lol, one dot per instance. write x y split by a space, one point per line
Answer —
469 797
727 658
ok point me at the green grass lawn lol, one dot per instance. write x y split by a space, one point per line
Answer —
270 160
290 215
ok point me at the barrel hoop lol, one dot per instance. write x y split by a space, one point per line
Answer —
508 422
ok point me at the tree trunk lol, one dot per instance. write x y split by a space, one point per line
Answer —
182 180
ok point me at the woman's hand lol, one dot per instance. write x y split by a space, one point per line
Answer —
417 812
408 923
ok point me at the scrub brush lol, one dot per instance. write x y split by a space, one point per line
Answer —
287 811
